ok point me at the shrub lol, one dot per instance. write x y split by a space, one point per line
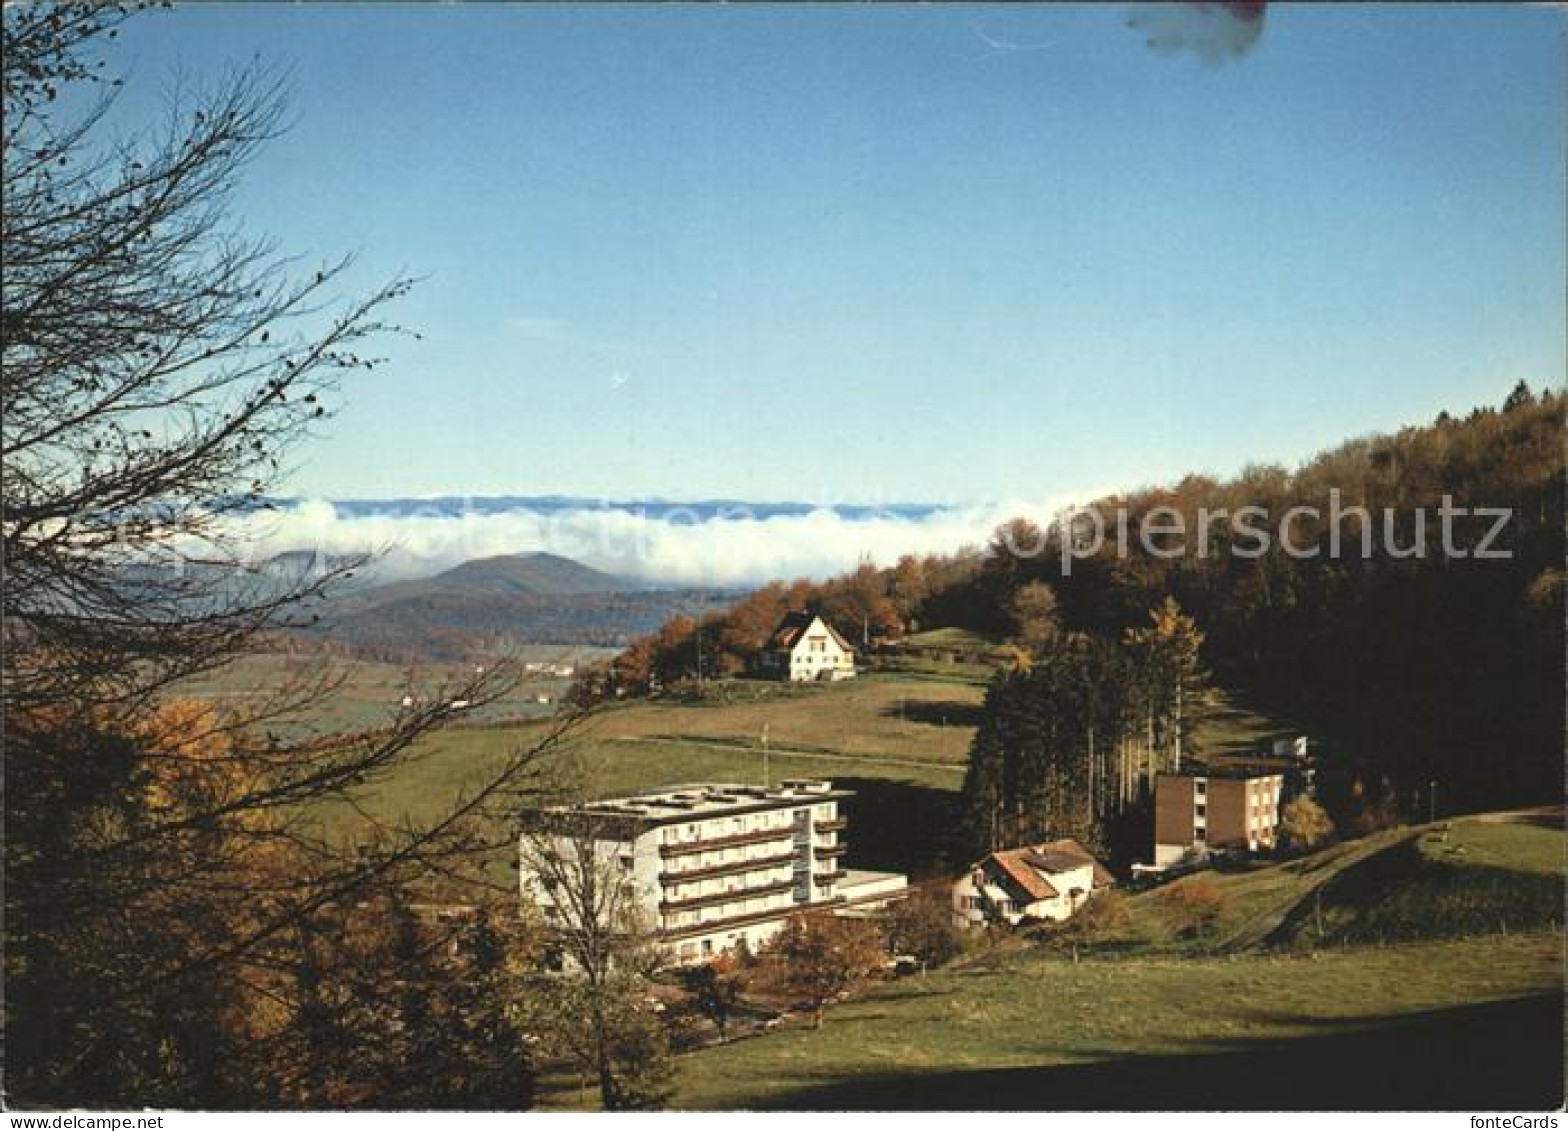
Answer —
1194 907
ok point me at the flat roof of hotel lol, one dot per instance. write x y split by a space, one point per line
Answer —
702 800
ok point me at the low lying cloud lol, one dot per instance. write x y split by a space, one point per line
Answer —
710 544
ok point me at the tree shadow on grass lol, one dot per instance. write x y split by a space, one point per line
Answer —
1497 1056
900 826
936 712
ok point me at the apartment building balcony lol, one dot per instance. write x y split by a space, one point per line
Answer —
728 868
730 896
837 824
824 878
756 836
828 851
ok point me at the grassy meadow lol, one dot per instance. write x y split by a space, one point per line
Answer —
1413 1025
898 743
1249 1015
367 692
898 739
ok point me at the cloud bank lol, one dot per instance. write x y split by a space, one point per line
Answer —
700 544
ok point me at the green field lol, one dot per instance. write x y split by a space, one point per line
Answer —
1432 1025
367 693
898 743
898 740
1245 1020
958 639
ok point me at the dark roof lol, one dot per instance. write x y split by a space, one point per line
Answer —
1052 861
789 631
1020 876
1070 849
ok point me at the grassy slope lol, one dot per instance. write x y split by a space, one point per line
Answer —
1229 725
948 638
844 730
909 729
1012 1033
1468 876
1230 1020
898 742
370 691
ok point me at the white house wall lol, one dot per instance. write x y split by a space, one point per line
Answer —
808 661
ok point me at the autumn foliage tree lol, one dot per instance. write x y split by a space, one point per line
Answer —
921 926
716 988
820 956
1304 826
159 366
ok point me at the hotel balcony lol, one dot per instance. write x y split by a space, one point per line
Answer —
757 836
714 925
824 878
729 867
828 851
731 896
837 824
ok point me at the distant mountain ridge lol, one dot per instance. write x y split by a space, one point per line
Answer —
488 604
536 573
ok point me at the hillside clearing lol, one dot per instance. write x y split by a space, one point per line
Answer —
1257 1013
1461 1024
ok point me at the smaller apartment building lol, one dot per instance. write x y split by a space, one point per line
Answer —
1215 810
714 865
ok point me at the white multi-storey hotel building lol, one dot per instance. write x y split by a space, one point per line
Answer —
711 865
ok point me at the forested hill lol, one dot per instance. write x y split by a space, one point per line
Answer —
1414 668
1423 668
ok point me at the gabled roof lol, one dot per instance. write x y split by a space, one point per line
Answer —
1028 870
794 626
1070 849
1019 875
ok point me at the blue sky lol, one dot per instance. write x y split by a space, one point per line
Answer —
873 254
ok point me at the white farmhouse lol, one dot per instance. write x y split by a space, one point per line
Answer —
1044 881
806 647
